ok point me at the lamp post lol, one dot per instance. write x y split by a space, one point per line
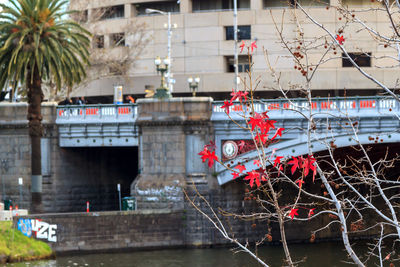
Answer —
162 66
193 84
169 47
235 37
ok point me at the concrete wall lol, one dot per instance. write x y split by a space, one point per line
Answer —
114 230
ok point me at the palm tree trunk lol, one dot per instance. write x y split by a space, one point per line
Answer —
35 97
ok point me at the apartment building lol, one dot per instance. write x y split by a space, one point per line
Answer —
203 46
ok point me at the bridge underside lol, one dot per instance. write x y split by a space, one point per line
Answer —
289 148
98 135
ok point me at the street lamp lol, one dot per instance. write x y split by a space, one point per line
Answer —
169 32
162 66
193 84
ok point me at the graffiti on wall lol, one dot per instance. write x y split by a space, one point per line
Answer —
38 229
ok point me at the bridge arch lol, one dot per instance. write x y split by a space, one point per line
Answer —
298 147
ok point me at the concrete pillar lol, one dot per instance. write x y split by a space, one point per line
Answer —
128 11
256 4
107 43
168 131
90 15
186 6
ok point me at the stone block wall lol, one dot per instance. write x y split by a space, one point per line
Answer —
114 230
15 153
164 128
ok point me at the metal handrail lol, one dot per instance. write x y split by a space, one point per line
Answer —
317 104
97 112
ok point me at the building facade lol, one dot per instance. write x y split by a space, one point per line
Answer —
202 45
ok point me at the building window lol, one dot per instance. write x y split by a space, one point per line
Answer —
80 16
243 65
213 5
113 12
292 3
166 6
98 41
116 70
118 39
244 32
361 59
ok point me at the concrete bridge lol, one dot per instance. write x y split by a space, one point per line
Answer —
151 148
343 121
336 119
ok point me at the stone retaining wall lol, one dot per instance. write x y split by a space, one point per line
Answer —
114 230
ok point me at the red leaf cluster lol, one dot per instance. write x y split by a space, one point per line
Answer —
206 154
306 164
252 46
339 38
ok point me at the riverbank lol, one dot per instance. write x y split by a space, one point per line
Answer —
14 246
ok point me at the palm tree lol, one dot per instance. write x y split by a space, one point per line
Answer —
38 42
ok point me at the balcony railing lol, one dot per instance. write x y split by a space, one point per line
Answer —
348 105
100 113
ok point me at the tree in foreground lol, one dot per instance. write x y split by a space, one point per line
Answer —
356 192
39 43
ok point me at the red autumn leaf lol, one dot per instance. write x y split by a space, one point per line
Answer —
253 176
234 175
309 164
261 137
267 125
252 46
233 95
243 95
293 212
211 157
278 132
242 46
312 166
311 212
295 163
255 122
257 162
203 154
239 95
241 168
264 115
207 155
226 106
301 162
264 176
340 38
277 160
300 182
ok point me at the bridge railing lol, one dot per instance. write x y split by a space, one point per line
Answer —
323 105
99 113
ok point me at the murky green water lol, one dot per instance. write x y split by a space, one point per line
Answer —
317 255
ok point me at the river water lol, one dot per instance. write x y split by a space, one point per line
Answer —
317 255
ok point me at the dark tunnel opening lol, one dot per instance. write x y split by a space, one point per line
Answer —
92 174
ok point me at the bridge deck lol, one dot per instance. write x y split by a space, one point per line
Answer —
97 125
